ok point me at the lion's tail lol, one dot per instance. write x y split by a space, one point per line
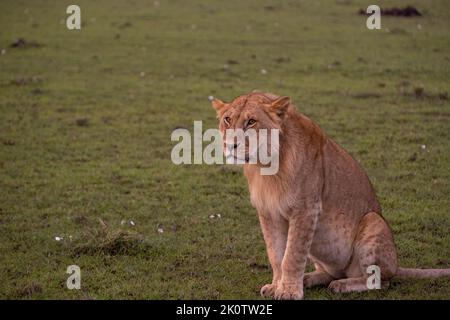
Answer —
422 273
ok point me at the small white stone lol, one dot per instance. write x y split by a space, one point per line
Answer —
423 147
263 71
122 222
58 238
132 223
160 230
142 74
211 216
219 215
210 98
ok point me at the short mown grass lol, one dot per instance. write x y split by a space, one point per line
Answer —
86 118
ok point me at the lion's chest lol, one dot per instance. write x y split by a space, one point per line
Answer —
268 197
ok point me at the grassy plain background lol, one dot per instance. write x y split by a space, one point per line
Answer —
86 118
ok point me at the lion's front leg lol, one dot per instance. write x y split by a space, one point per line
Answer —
300 235
275 230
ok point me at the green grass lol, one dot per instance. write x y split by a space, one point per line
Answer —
89 139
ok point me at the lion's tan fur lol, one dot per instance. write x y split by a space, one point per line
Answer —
319 206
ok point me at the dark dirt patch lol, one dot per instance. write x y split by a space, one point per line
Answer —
361 59
82 122
258 266
22 43
270 8
282 59
9 142
231 62
125 25
419 92
413 157
443 96
408 11
37 91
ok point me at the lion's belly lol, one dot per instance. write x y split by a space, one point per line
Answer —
332 245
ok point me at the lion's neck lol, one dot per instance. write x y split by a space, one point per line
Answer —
301 142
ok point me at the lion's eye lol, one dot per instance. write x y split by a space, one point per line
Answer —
227 120
251 122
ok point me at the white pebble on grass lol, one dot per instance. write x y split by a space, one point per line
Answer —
263 71
210 98
423 147
58 238
132 223
160 230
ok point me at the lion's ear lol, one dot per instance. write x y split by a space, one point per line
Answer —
218 104
280 105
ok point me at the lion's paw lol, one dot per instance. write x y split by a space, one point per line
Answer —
289 292
268 290
337 286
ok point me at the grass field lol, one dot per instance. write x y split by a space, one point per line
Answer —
86 118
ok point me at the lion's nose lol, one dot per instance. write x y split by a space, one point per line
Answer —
231 146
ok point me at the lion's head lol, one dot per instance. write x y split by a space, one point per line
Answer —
255 113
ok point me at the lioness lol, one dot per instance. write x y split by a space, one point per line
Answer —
319 206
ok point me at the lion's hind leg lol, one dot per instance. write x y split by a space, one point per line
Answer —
317 278
373 247
353 285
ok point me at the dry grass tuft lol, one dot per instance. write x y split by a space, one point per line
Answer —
106 240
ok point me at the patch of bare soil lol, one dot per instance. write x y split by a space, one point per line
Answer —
408 11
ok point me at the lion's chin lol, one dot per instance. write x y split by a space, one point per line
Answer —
231 159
